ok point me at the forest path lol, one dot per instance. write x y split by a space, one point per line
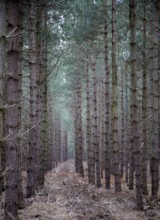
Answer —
66 196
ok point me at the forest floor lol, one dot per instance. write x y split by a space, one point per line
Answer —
66 196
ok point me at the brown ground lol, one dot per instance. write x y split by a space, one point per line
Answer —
66 196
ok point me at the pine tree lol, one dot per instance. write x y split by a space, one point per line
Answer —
32 151
107 105
115 135
144 110
95 127
2 61
11 200
135 136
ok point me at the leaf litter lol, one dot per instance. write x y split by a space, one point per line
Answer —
67 196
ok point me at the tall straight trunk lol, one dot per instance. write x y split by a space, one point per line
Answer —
11 200
44 131
57 138
115 135
88 135
151 94
155 75
45 100
92 149
62 144
51 132
2 62
54 141
122 125
20 66
106 120
32 148
144 111
158 31
95 128
92 155
101 116
65 145
75 133
127 127
79 127
44 92
132 114
135 136
38 49
131 168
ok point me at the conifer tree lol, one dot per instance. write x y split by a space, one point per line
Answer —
135 135
115 135
11 200
2 61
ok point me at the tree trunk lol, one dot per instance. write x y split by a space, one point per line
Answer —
88 135
155 75
127 123
32 149
11 200
79 127
20 67
92 147
2 61
56 138
75 133
115 135
51 137
122 125
101 116
44 92
135 136
65 145
107 101
39 61
95 129
144 112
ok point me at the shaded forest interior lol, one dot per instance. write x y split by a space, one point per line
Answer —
80 81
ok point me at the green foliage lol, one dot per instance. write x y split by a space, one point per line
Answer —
76 31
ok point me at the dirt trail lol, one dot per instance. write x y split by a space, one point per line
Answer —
66 196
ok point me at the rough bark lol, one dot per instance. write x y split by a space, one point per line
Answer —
2 61
44 93
20 66
75 133
158 31
56 138
65 145
11 200
51 137
135 136
92 150
127 127
88 118
31 172
79 127
115 135
39 107
101 98
155 75
144 111
107 101
95 128
122 126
